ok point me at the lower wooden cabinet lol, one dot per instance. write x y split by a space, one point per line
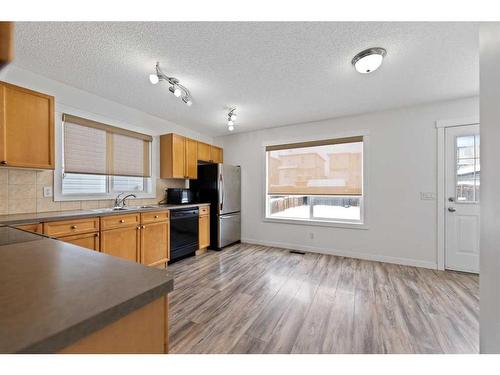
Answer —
87 240
34 227
204 228
155 243
122 242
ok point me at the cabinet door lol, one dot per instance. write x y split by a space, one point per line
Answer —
26 128
121 242
155 243
191 158
204 231
172 156
216 154
88 240
203 151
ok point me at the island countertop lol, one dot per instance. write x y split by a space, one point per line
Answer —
53 293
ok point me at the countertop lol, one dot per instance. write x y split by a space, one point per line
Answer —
53 293
81 214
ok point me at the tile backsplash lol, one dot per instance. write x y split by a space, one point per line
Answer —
21 191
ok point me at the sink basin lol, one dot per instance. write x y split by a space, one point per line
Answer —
109 209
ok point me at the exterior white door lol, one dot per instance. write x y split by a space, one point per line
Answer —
462 198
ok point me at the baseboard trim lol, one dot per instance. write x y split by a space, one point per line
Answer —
348 254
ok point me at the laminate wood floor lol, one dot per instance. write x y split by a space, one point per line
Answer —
256 299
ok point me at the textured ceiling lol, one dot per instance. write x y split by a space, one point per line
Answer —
274 73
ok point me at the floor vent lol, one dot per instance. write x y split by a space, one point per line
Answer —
297 252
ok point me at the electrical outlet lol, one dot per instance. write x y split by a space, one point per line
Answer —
427 196
47 191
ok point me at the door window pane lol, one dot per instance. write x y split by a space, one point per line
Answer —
467 168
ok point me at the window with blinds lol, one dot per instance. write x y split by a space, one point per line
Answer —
99 158
318 180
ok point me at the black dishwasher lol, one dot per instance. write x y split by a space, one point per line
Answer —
183 232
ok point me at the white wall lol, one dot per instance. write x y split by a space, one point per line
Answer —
402 163
490 188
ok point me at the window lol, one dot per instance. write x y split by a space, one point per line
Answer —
100 160
316 181
468 168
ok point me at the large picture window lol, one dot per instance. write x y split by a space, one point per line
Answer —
100 160
316 181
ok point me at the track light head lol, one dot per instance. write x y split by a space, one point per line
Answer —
230 128
230 122
188 101
154 79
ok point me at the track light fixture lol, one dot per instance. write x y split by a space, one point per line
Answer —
175 88
231 117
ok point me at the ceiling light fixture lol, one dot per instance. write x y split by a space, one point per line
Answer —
175 88
369 60
231 116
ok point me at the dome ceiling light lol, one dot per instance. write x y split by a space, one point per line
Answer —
369 60
175 88
231 117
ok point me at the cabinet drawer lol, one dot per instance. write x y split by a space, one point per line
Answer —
69 227
33 227
204 211
153 217
117 221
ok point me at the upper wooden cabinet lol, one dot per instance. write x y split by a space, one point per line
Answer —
204 151
26 128
216 154
178 157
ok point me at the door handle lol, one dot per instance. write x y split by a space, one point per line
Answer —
452 209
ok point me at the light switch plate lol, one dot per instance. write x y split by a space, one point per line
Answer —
47 191
427 196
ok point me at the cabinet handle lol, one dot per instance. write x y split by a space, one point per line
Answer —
156 216
122 221
139 227
3 162
73 227
97 234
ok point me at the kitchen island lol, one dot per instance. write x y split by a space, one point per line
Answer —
56 297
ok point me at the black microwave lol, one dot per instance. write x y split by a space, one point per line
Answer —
179 196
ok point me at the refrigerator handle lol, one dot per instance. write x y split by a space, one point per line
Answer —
221 191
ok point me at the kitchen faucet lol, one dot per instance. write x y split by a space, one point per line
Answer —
120 202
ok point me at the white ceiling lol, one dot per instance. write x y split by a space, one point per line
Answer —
274 73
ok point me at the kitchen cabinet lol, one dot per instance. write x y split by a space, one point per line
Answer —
26 128
216 154
204 152
204 228
178 157
87 240
155 243
122 242
33 227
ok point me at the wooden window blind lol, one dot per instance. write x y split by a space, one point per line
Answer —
91 147
326 167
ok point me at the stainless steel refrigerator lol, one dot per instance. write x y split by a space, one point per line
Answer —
220 185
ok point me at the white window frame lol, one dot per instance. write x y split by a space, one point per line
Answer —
338 223
150 191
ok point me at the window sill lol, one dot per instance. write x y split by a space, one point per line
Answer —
320 223
99 197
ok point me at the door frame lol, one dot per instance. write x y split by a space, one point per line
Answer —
441 126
